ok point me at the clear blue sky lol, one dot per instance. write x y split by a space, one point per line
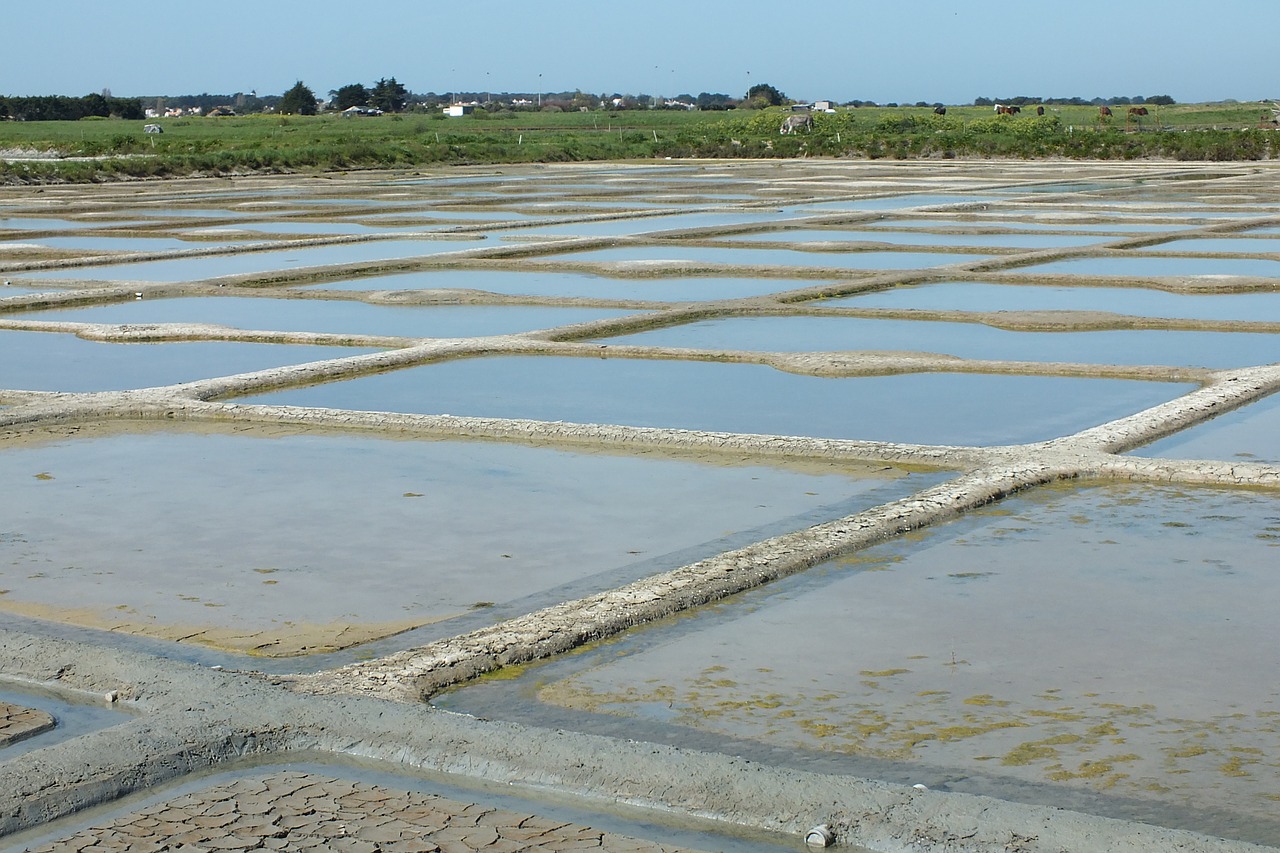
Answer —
915 50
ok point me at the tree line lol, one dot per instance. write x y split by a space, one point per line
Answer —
65 108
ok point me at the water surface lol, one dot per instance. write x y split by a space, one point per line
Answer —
54 361
933 408
334 316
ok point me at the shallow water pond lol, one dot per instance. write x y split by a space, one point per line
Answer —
1113 640
351 538
910 238
1139 265
570 284
211 266
768 257
894 202
123 244
1136 301
933 408
967 340
645 224
1248 434
335 316
55 361
1240 245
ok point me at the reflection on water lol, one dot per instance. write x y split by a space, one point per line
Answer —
934 408
967 340
980 296
51 361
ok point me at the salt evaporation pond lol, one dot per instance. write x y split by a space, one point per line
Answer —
1136 301
332 316
287 542
121 244
1248 434
933 408
1240 245
1091 227
644 224
965 340
907 238
1108 643
57 361
564 284
1138 265
211 266
768 257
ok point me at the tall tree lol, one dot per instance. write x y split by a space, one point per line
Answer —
351 95
299 100
764 95
388 95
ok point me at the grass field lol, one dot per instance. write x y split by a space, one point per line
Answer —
1227 131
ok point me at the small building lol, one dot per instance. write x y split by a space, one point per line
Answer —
825 106
456 110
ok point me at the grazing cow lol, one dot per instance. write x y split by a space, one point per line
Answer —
1039 111
1137 111
791 124
939 111
1009 110
1104 111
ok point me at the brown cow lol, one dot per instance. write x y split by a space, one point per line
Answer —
1104 112
1137 111
1039 111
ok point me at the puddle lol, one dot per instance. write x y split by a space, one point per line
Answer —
769 257
55 361
333 316
966 340
198 268
1136 301
1104 649
907 238
7 289
566 284
73 718
1248 434
1152 266
934 408
94 536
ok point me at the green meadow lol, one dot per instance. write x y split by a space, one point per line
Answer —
114 149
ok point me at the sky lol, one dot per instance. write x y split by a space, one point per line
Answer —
948 51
